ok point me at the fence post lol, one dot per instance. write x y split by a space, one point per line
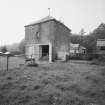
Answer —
0 61
7 62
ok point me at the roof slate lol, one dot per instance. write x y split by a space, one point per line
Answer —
48 18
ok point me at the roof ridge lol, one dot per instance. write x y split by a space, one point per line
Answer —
47 18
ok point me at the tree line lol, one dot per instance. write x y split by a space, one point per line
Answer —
89 40
16 48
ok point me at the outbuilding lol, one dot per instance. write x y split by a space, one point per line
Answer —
47 39
100 46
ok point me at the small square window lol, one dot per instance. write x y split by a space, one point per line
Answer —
37 35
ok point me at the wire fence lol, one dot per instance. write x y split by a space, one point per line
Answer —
17 61
13 62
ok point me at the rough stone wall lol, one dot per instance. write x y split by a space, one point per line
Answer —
45 31
45 35
49 32
32 51
62 39
30 34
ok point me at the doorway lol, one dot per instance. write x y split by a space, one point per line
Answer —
44 52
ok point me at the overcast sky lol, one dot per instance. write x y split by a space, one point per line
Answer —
76 14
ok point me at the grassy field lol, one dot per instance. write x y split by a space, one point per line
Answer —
14 62
71 83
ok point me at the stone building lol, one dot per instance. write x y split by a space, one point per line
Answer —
47 39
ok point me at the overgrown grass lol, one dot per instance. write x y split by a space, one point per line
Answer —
53 84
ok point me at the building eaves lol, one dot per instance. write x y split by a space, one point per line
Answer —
46 19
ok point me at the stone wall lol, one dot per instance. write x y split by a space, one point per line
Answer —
49 32
62 39
40 33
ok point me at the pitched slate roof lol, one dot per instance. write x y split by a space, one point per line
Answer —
48 18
